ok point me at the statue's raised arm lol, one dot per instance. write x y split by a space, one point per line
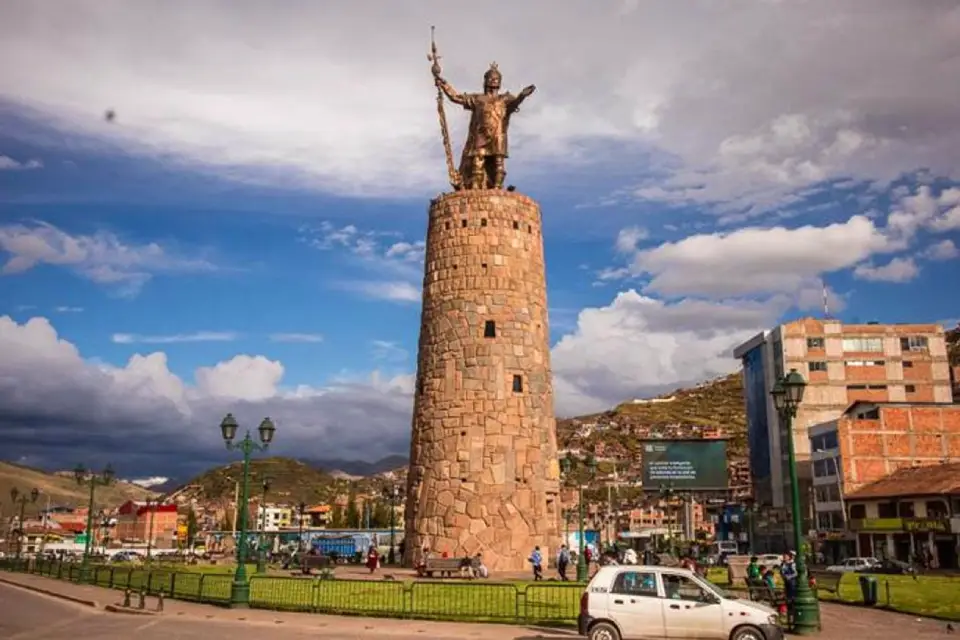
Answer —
450 92
514 104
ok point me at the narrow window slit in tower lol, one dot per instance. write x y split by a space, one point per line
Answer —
483 265
517 384
463 222
463 433
446 225
483 222
454 266
529 228
516 225
489 329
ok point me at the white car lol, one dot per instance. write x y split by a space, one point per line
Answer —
851 565
770 560
644 602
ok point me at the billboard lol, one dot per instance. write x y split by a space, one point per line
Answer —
691 465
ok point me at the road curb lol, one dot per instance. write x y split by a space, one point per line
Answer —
50 592
115 608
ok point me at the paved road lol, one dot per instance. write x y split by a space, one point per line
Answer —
25 615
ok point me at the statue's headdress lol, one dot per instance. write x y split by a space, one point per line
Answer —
493 73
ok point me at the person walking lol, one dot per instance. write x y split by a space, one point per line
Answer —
373 559
563 561
536 559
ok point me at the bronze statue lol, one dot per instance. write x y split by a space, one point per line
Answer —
482 164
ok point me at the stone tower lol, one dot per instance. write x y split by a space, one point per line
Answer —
483 474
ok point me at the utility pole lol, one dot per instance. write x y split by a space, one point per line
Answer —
236 505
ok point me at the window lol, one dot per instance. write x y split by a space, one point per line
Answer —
683 588
865 363
911 388
489 329
815 343
529 228
817 366
913 343
936 509
446 225
863 345
516 225
906 510
858 512
887 510
483 222
867 387
825 441
636 583
907 364
823 468
483 265
827 493
517 384
463 222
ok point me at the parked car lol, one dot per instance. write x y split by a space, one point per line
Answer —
852 564
889 567
627 602
770 560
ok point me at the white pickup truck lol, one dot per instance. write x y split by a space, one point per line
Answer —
645 602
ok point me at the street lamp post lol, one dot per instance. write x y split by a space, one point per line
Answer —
152 506
787 396
240 589
569 465
23 500
393 495
301 509
103 478
262 538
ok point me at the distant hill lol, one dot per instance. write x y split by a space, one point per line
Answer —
359 468
709 408
62 488
291 481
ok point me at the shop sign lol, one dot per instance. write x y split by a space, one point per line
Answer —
877 524
925 525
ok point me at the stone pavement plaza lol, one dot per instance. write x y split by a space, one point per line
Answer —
28 615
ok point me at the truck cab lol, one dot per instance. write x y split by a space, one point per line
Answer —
655 602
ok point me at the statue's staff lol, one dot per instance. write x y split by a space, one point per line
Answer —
456 180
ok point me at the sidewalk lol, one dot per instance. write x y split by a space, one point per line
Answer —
100 597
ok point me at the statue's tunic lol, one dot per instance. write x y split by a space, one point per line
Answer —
489 119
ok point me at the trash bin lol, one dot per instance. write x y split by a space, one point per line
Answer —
868 587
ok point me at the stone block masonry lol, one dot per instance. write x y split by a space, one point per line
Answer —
483 474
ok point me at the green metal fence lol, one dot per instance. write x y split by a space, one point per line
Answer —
481 601
471 601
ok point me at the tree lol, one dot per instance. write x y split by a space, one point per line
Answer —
353 512
336 517
191 527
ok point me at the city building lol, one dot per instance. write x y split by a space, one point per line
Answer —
144 522
911 515
867 443
273 518
317 516
842 363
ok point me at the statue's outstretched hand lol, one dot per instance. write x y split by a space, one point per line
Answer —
528 90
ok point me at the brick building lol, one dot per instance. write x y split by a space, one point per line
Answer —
842 363
911 515
867 443
134 523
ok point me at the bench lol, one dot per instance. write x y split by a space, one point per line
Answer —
828 581
323 564
760 591
445 567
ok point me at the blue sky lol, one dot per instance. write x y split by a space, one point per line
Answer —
252 215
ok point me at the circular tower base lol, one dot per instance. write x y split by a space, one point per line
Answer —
483 466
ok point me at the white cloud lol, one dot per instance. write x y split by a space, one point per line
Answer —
638 346
387 350
9 164
628 238
296 337
56 407
65 309
394 268
757 260
199 336
897 270
101 257
147 483
740 103
943 250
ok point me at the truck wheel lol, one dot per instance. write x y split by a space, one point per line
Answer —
747 633
606 631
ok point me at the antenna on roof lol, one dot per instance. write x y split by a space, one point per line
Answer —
826 302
